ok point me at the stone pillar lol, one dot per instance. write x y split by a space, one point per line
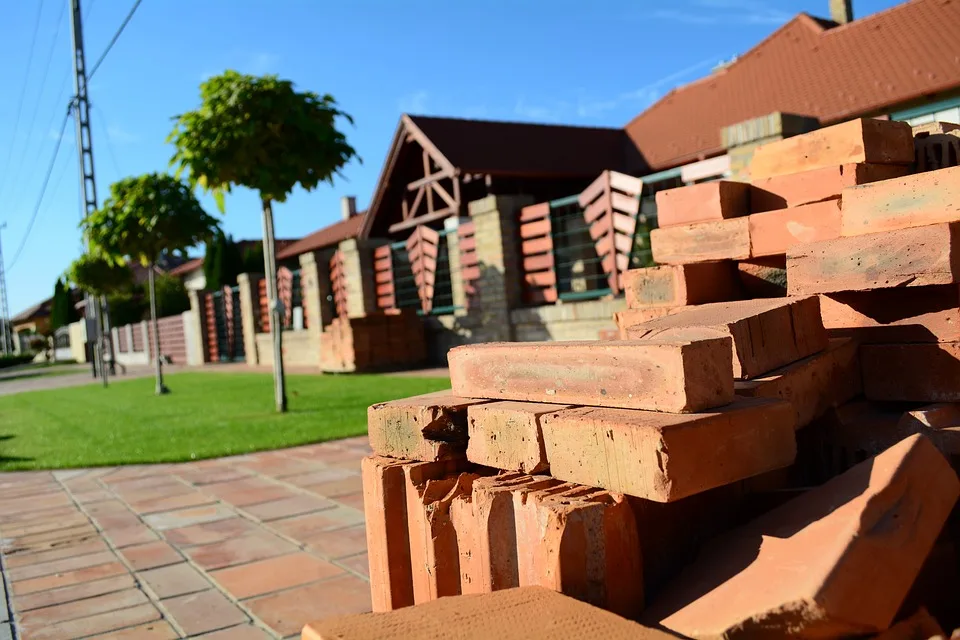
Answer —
248 287
194 350
453 252
195 330
359 275
144 329
128 329
310 283
498 254
324 287
115 340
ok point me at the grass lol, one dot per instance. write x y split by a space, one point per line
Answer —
207 415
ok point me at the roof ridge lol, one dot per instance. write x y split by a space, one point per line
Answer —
415 117
883 13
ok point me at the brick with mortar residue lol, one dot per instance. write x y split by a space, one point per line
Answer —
765 333
817 185
772 233
682 373
681 285
507 435
428 427
704 202
704 242
664 457
388 541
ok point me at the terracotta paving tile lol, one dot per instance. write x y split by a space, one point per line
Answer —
303 527
151 555
286 612
130 535
149 488
212 475
274 574
204 611
91 625
97 495
187 517
157 630
63 565
249 491
91 545
342 487
208 532
327 454
87 574
29 503
325 474
73 592
340 542
169 503
127 473
279 466
349 465
82 608
42 526
38 540
174 580
254 546
354 500
359 563
243 632
36 516
287 507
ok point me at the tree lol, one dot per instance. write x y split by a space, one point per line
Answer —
252 261
212 261
172 296
222 262
143 218
261 133
62 311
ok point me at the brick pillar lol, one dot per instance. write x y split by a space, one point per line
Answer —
196 332
453 252
248 288
358 267
498 254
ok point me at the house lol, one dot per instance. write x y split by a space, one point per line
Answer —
191 273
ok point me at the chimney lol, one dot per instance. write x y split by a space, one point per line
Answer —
841 11
348 207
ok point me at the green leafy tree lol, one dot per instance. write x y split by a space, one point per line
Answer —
62 311
212 262
263 134
172 296
143 218
222 262
252 261
99 275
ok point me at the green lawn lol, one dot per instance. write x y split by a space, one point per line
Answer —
206 415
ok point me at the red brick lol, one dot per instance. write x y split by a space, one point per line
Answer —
811 385
855 141
774 232
388 542
913 314
920 625
939 422
918 257
96 624
429 427
681 285
797 189
720 240
663 456
764 277
837 561
910 201
516 614
704 202
507 435
151 555
911 372
629 317
681 373
205 611
274 574
175 580
288 611
765 334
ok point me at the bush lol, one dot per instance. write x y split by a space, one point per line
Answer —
172 297
14 360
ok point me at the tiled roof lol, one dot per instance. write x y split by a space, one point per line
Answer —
187 267
39 310
325 237
814 68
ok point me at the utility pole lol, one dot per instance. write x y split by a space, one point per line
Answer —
88 186
6 334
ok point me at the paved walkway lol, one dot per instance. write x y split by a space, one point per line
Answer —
243 548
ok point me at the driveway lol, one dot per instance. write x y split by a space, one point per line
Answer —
244 548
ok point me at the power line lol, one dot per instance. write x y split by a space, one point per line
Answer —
43 191
113 41
23 95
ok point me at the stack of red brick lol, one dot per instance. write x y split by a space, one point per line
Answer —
700 474
378 341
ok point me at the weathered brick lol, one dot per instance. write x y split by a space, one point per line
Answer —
910 201
911 372
796 189
919 625
665 457
681 374
388 542
855 141
704 202
720 240
811 385
774 232
764 277
765 334
939 422
837 561
912 314
512 614
918 257
681 285
507 435
629 317
429 427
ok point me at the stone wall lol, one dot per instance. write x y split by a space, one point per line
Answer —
300 349
566 320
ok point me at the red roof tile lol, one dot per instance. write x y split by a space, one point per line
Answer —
187 267
808 68
325 237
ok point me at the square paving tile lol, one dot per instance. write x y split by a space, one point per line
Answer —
240 550
169 503
174 580
204 611
324 474
248 491
243 632
359 563
354 500
286 612
130 534
341 487
209 532
151 555
287 507
274 574
304 527
187 517
339 542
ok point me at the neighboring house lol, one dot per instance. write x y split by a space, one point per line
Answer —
191 270
34 319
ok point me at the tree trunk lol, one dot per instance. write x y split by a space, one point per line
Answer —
99 361
108 334
276 312
161 389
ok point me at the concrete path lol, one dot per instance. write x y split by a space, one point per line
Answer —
244 548
68 376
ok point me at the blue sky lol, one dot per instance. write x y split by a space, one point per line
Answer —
569 61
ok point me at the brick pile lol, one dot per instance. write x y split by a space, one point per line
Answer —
743 462
370 343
